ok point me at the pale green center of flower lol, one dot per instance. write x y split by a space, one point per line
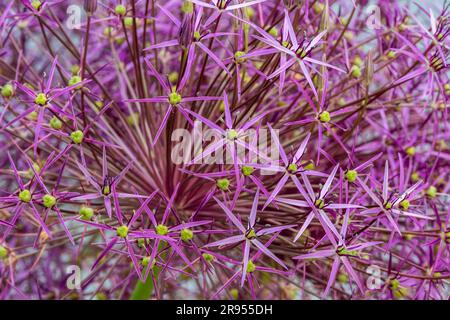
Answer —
432 191
273 32
319 203
162 230
292 168
187 7
174 98
106 190
36 4
410 151
55 123
223 184
48 200
7 90
250 234
77 136
25 195
250 266
324 117
208 257
122 231
356 71
146 260
3 252
238 56
41 99
186 234
351 175
404 204
232 134
341 251
247 170
86 213
388 205
197 35
74 80
120 10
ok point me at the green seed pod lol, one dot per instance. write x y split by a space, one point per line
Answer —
55 123
174 98
208 257
223 184
77 136
162 229
41 99
247 170
432 191
49 201
25 195
292 168
3 253
36 4
232 134
120 10
86 213
7 90
251 266
324 117
186 234
74 80
122 231
351 175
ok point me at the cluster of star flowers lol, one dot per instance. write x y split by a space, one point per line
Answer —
349 199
